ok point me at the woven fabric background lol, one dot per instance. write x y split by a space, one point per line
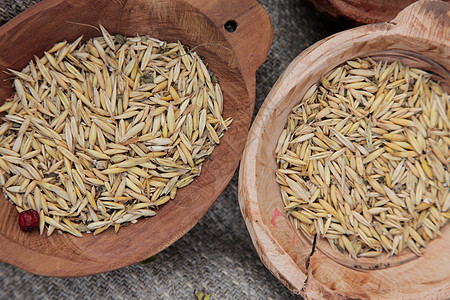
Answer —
217 254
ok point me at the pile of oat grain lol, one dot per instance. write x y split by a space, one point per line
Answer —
364 160
102 133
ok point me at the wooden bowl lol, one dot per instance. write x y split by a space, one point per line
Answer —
419 36
233 37
362 11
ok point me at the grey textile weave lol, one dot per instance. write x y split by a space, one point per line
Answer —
217 254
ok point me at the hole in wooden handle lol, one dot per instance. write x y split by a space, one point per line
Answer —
230 26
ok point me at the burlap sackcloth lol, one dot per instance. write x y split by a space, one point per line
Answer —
217 254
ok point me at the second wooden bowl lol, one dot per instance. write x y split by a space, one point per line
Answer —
419 36
361 11
233 37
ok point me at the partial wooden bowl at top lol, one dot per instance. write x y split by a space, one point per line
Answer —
419 36
362 11
233 37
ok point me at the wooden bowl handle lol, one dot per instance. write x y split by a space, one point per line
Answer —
418 18
252 37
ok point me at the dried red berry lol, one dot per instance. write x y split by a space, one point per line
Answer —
28 220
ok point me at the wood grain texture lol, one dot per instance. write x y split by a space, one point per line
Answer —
419 36
362 11
233 57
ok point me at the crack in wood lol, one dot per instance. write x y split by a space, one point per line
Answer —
307 263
